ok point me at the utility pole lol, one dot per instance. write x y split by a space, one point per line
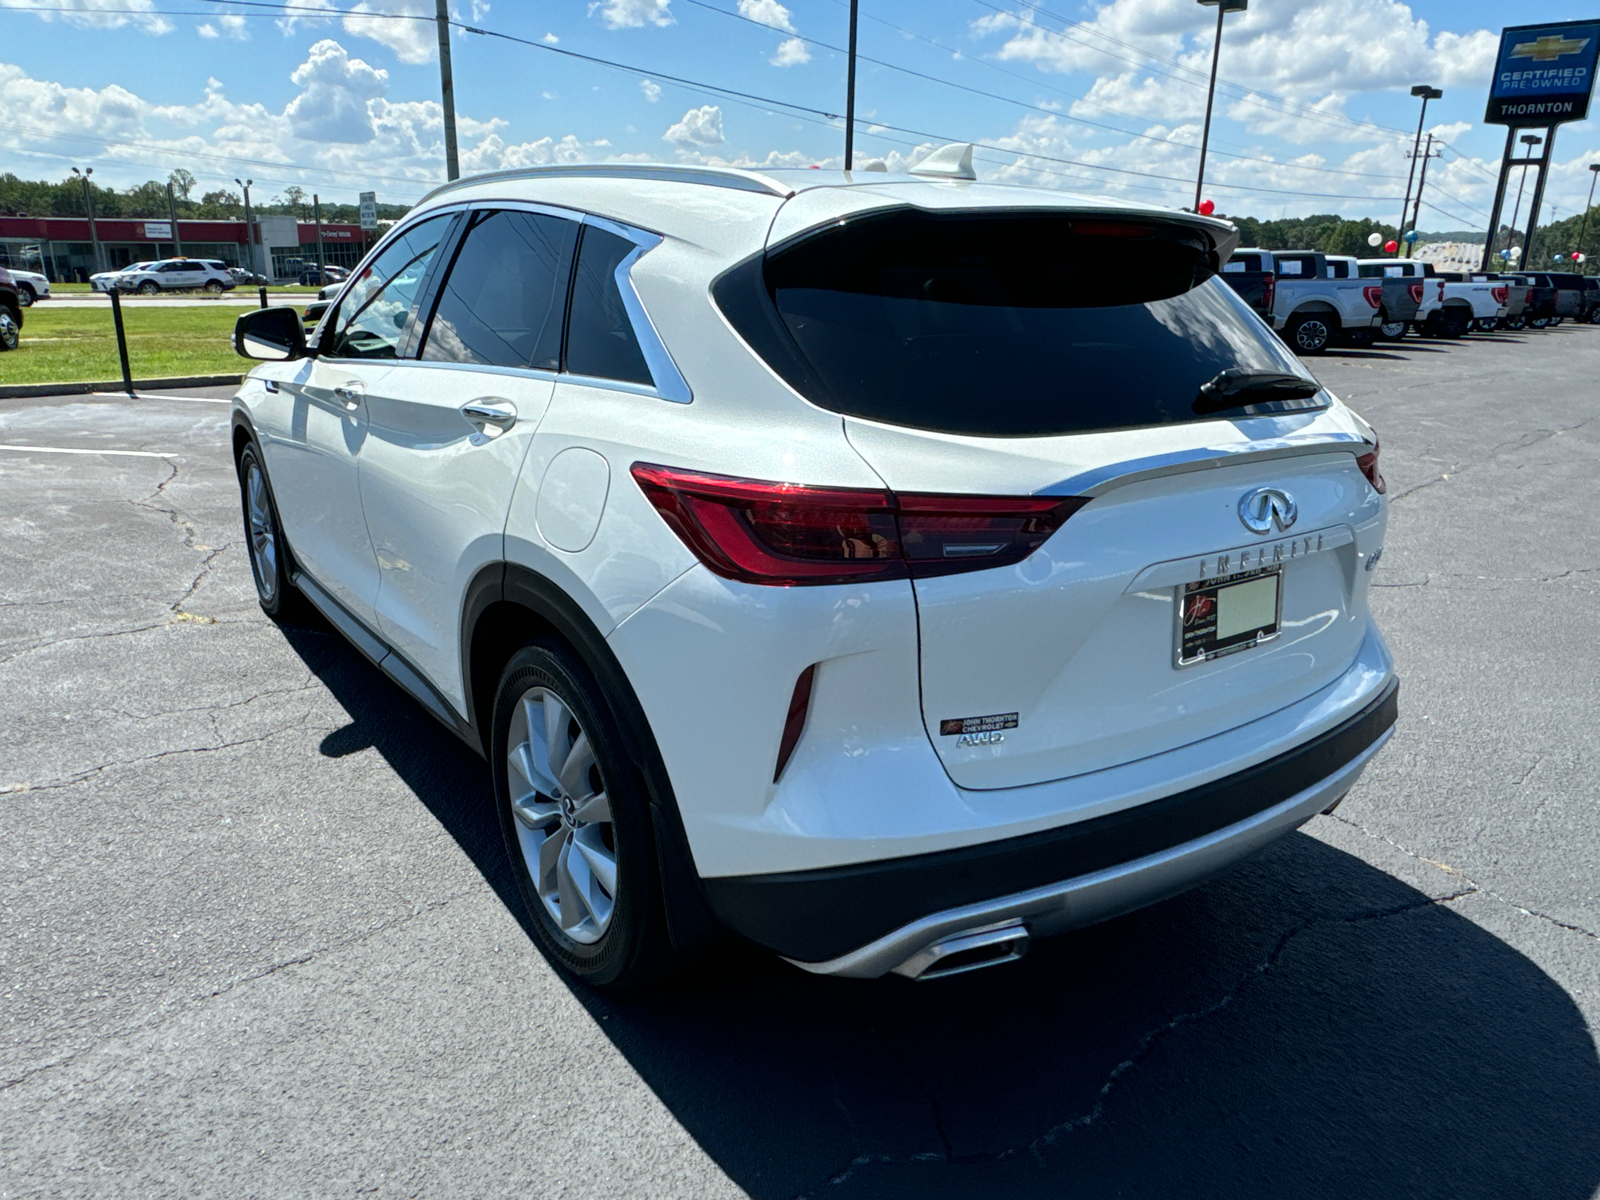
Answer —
88 211
249 239
1223 7
172 212
1426 93
322 262
1416 212
850 95
447 88
1583 226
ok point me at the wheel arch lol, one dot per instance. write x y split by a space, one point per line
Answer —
1314 308
504 607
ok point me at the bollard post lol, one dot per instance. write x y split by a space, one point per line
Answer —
122 339
263 295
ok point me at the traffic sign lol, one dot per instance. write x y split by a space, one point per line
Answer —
369 210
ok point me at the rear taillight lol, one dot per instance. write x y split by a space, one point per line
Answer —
1269 290
1369 467
787 535
1416 292
1499 294
1374 295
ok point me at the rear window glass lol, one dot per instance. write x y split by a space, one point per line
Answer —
600 338
1006 324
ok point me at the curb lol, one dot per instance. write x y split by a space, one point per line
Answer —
19 391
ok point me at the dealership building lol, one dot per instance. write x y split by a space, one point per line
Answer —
63 248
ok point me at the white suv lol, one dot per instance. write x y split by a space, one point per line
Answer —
31 286
884 569
174 274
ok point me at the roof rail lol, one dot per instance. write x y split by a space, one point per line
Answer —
727 177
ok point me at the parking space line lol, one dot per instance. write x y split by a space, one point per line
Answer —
76 450
159 396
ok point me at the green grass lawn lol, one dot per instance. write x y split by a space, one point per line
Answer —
75 345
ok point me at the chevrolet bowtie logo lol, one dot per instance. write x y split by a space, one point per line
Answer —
1548 48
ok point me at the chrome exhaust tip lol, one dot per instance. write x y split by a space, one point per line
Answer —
986 946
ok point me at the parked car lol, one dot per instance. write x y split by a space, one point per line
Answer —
1468 303
104 281
31 286
1540 310
815 559
1407 292
1510 292
246 278
175 274
310 277
313 311
1591 300
1310 304
1568 298
10 312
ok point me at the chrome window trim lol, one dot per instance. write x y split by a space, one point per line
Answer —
669 381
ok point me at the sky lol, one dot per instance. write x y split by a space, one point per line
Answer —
1313 111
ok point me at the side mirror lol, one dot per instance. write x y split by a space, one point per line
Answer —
270 334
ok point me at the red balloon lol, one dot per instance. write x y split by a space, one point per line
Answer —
1391 246
1576 256
1207 208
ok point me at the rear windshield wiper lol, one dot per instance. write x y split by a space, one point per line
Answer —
1236 388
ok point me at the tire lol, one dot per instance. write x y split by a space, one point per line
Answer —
1554 321
1515 324
1392 331
1359 339
564 847
1539 323
10 329
214 288
1449 326
1485 325
1308 334
149 288
25 295
269 552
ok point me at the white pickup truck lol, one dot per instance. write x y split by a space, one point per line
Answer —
1429 296
1312 301
1471 302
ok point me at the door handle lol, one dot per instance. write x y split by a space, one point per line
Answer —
490 411
351 393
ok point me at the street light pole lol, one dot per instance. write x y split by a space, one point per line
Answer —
1422 182
88 211
249 240
1583 226
1426 93
447 89
1223 6
1511 239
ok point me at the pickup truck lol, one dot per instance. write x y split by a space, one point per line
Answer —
1311 301
1469 303
1591 300
1513 302
1569 294
1540 310
1407 274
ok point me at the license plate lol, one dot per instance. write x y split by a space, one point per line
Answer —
1222 616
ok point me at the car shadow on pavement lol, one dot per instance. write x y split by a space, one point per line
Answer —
1307 1025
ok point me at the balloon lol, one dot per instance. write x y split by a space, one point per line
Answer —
1556 257
1580 258
1410 235
1506 254
1374 239
1206 208
1391 246
1515 252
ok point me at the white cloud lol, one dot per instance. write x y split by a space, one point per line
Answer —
767 12
632 14
700 127
550 39
235 27
650 89
97 14
792 52
207 30
336 90
413 41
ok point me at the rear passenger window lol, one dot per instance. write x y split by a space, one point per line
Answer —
600 337
502 302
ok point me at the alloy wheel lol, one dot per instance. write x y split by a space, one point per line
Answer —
25 296
148 288
263 534
1393 329
1311 335
10 334
563 815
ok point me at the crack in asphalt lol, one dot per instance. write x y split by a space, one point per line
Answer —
1526 441
177 618
1477 888
156 1021
1147 1045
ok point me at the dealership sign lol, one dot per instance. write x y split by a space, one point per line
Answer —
158 231
1544 73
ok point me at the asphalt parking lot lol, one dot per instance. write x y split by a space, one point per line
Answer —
258 936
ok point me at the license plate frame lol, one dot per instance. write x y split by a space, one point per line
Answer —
1199 607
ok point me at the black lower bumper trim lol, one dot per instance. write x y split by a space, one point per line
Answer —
817 915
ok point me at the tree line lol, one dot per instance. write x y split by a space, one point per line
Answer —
41 198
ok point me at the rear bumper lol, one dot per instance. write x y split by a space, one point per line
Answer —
866 919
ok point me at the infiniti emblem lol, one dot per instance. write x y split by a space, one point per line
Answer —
1263 508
